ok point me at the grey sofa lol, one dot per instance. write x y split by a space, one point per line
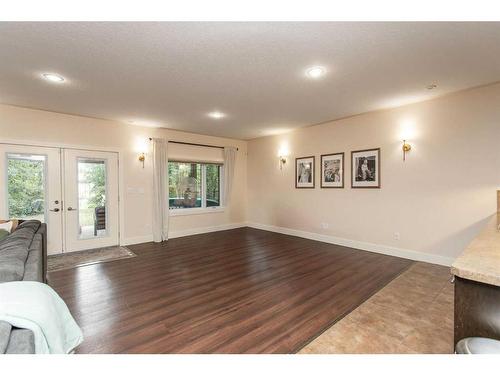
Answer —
23 257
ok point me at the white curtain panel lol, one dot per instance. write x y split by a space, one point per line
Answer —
160 190
229 164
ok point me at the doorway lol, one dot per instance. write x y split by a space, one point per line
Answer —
74 191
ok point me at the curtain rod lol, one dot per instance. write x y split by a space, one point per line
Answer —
195 144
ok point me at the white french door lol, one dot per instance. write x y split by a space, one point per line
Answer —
90 199
30 188
74 191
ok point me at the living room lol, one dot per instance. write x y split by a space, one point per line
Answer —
249 187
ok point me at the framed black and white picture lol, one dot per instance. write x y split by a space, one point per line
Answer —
365 166
332 170
304 172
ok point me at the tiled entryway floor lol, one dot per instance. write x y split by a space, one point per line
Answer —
412 314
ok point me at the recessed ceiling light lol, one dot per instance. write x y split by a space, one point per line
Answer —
315 72
216 115
52 77
432 86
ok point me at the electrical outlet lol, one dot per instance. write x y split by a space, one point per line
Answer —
325 225
397 236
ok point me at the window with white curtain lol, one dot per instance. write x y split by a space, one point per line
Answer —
194 185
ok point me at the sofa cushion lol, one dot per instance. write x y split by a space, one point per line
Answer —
5 329
19 252
16 340
16 245
21 258
21 238
11 270
14 251
36 243
22 341
33 268
31 224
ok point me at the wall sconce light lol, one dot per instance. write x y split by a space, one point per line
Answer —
406 148
282 161
142 158
282 154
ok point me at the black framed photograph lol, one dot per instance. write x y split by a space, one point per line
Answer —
304 172
332 170
365 166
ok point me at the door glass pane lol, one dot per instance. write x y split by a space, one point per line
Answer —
26 186
213 185
184 185
91 198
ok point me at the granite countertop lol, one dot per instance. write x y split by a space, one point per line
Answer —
480 261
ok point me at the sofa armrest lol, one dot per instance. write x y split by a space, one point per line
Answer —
43 231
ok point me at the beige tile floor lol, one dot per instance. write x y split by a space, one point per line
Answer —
412 314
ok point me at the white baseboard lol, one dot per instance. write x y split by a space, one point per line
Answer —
183 233
217 228
375 248
135 240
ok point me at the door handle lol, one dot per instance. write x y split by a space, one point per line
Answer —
72 209
55 210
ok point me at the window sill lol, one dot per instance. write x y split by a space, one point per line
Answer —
195 211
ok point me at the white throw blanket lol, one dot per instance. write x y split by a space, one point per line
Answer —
37 307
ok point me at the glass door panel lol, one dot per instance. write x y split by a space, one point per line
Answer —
91 198
26 186
30 188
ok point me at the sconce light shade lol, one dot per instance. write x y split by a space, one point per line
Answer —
406 148
282 161
142 158
282 154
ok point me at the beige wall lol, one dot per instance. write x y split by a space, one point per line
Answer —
437 200
21 125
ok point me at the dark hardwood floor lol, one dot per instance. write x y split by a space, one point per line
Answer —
236 291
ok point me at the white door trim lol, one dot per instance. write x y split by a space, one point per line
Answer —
121 174
73 240
52 189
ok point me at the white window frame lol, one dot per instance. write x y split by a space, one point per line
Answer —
203 209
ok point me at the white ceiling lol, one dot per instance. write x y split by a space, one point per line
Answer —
172 74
